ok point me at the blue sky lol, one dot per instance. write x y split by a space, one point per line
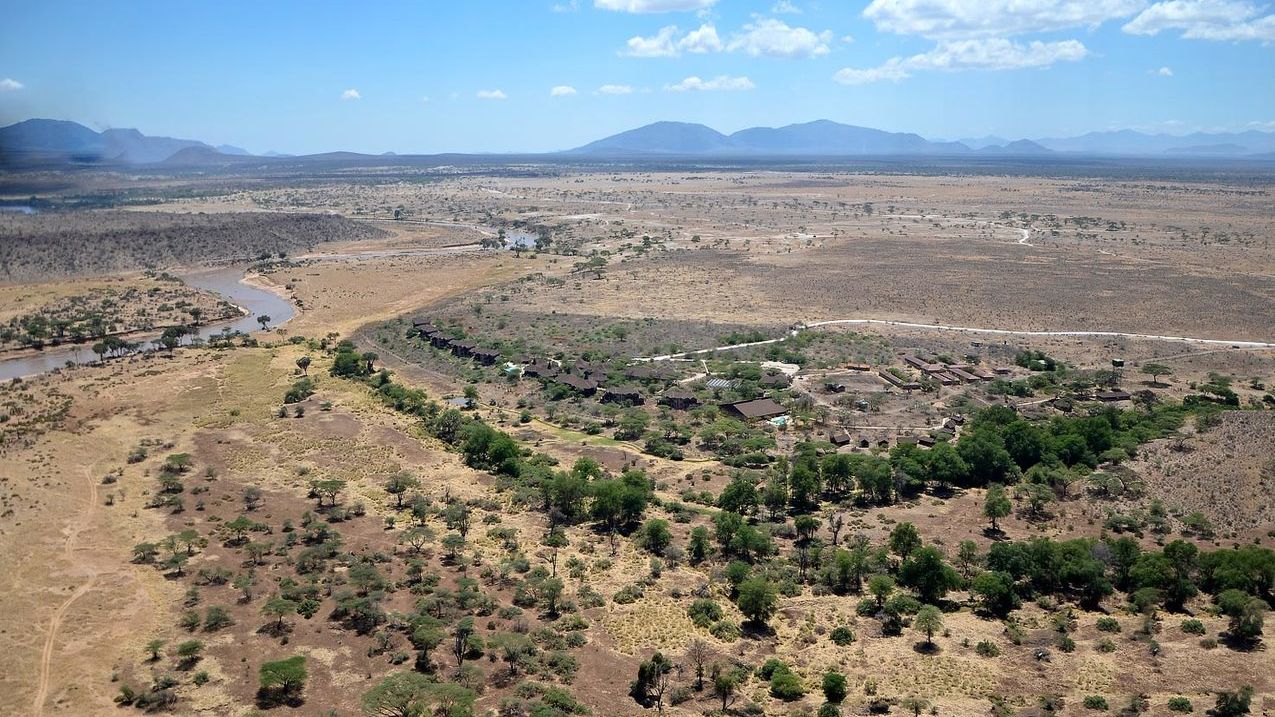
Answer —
479 75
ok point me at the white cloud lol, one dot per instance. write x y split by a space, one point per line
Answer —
646 6
1165 72
661 44
958 55
666 43
562 91
491 95
569 6
984 18
774 38
721 82
615 90
701 41
351 94
9 84
785 7
1225 20
891 71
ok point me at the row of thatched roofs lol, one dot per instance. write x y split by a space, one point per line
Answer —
582 376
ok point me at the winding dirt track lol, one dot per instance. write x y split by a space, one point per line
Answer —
74 526
971 330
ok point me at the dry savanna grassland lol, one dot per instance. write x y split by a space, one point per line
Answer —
338 516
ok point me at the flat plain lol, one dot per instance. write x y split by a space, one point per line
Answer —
123 481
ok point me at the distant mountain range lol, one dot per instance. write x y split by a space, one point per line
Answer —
821 138
826 138
60 140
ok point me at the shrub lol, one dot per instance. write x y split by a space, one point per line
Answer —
725 630
1106 645
828 709
986 648
834 686
1193 627
1108 624
216 618
300 391
1065 643
1180 704
704 612
842 636
1096 702
628 594
786 686
770 667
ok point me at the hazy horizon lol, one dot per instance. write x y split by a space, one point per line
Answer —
491 77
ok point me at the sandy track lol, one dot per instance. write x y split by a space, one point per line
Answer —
1237 344
74 526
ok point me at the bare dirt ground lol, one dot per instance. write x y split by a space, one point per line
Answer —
752 248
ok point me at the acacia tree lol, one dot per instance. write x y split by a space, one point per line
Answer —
928 620
996 505
279 607
403 694
1155 371
283 678
153 647
303 363
399 484
329 487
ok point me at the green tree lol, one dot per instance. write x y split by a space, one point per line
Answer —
279 607
698 547
1246 613
1155 371
153 647
550 590
652 681
757 599
880 586
399 484
996 504
928 621
286 677
739 496
996 591
188 652
329 488
410 694
303 363
655 536
905 539
1232 704
725 684
927 574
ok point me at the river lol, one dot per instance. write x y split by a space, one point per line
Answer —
227 282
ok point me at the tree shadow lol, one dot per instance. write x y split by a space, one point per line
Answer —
1242 644
274 629
269 698
926 648
756 631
